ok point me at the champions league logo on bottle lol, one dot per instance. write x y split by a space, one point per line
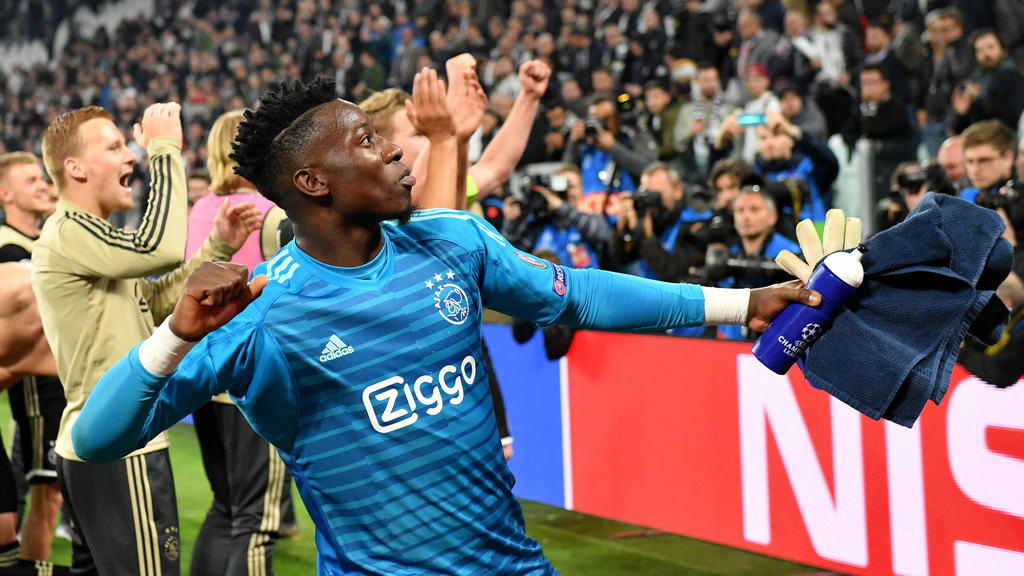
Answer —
811 331
450 299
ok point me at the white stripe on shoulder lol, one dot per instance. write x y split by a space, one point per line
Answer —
439 213
277 258
288 275
277 271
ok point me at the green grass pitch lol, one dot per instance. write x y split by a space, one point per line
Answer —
577 544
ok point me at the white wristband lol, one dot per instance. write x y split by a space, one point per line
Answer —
160 353
725 305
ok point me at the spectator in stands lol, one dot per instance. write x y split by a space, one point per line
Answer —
504 81
560 122
724 49
602 80
951 159
198 184
834 54
791 62
700 121
581 55
651 227
886 122
613 55
757 45
877 44
788 155
548 218
994 91
761 102
610 154
849 14
950 63
802 112
755 215
771 12
663 110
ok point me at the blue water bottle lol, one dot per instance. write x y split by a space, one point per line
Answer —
837 277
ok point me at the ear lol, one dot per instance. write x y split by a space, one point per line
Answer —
309 182
74 169
5 195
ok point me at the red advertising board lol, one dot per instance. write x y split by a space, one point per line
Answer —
696 437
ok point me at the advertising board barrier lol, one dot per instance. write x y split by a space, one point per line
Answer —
696 437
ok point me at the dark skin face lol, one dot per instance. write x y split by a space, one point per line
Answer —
350 180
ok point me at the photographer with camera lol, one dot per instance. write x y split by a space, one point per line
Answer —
546 217
988 151
908 185
649 225
749 263
611 149
717 231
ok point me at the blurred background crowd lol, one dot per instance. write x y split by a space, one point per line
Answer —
680 140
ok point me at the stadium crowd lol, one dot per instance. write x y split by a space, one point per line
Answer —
680 141
682 83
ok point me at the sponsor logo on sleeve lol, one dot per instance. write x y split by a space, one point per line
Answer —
559 284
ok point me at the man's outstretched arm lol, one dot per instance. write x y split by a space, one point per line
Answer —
500 157
526 287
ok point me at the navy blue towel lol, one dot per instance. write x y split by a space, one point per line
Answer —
928 282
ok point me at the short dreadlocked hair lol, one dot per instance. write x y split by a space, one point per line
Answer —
279 129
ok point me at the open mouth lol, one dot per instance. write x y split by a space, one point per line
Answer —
124 180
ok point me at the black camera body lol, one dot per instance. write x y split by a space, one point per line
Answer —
719 264
926 173
645 201
719 229
592 125
629 113
911 181
533 202
1003 197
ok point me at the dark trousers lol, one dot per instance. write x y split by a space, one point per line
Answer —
250 484
125 516
37 404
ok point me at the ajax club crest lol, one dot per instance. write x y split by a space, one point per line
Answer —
450 300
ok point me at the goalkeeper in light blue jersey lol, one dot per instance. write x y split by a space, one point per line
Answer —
356 349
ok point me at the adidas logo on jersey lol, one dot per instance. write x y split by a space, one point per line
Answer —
335 348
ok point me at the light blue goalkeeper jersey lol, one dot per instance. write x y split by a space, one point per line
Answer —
370 382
